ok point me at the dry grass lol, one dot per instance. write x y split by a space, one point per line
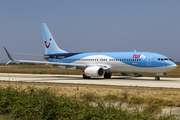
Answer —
36 69
98 91
79 91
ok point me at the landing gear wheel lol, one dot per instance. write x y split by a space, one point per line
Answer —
86 77
107 75
157 78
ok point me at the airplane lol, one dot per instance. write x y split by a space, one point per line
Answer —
98 64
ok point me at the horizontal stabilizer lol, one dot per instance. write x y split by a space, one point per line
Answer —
33 55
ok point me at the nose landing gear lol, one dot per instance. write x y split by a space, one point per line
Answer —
157 78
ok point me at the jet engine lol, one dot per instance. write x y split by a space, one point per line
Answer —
94 71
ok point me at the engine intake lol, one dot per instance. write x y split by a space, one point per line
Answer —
94 71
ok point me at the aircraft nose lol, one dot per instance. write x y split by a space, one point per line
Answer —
171 66
174 65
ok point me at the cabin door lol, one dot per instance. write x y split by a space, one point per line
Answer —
149 58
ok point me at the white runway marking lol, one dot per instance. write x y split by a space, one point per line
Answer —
115 80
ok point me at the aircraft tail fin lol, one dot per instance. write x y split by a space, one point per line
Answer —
50 45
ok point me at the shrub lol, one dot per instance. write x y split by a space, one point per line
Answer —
125 95
88 96
161 102
136 100
41 104
110 97
153 109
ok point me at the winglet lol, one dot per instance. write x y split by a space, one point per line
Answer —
11 59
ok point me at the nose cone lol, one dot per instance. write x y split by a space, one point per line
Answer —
170 65
173 66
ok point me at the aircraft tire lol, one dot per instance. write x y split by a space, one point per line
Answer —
86 77
157 78
107 75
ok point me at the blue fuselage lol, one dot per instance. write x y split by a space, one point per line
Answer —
124 62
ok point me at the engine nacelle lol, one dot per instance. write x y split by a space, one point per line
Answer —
94 71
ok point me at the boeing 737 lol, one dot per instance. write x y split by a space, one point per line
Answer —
96 64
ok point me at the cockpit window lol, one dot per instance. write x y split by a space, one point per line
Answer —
165 59
160 59
171 59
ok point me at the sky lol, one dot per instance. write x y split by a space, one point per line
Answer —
90 26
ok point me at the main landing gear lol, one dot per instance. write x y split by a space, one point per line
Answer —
107 75
86 77
157 78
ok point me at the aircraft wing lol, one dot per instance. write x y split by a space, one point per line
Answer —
43 62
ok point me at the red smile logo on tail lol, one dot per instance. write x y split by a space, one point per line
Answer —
47 46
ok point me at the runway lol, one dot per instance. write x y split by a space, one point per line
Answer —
77 79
